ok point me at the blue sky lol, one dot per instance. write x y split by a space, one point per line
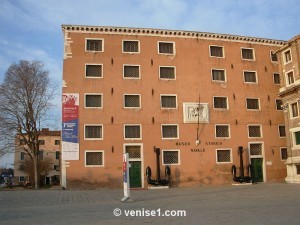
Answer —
31 29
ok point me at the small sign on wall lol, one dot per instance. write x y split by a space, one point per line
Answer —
195 112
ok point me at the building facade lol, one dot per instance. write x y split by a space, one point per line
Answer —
50 142
289 67
196 96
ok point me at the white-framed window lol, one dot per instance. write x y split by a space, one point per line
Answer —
222 131
216 51
131 72
131 46
248 54
166 48
171 157
252 104
273 56
134 151
294 109
256 149
132 131
94 158
167 72
93 132
283 153
168 101
276 78
94 45
223 156
287 56
254 131
289 76
295 132
218 75
94 70
279 104
170 131
132 101
281 131
250 77
220 102
93 100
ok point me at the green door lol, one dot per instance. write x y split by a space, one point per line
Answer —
135 174
257 164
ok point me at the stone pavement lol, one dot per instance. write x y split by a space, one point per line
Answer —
270 204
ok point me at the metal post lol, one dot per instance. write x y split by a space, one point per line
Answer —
240 149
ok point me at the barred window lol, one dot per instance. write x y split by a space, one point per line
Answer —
168 102
93 101
131 71
132 101
273 57
130 46
93 132
94 45
283 153
222 131
294 110
279 104
252 103
249 77
93 71
223 155
290 77
216 51
41 142
132 131
167 72
134 151
169 131
94 158
170 157
248 53
166 48
255 149
281 129
220 103
218 75
276 78
254 131
287 57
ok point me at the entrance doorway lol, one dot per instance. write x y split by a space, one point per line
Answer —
257 164
135 174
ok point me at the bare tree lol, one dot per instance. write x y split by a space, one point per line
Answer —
25 95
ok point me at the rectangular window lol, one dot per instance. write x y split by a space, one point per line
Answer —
224 156
298 169
22 156
255 149
279 104
220 103
94 158
166 48
250 77
57 142
297 137
273 57
56 168
290 78
132 131
131 47
294 110
169 131
167 72
132 101
276 78
22 167
93 71
252 103
222 131
287 57
254 131
41 154
216 51
283 154
21 178
131 71
93 132
134 151
93 100
41 142
248 53
168 101
95 45
170 157
218 75
281 129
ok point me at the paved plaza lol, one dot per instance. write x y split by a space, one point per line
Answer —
275 203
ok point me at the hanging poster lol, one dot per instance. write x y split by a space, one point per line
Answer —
70 140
